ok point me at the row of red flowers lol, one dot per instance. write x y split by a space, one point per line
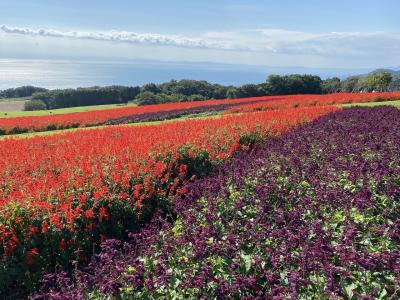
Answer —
38 123
43 123
315 100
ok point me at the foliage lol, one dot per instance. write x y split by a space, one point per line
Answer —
147 98
193 87
394 84
251 90
86 96
350 85
293 84
377 81
178 91
31 105
20 92
195 90
331 85
231 93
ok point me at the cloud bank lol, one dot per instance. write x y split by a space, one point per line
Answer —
252 46
120 36
272 40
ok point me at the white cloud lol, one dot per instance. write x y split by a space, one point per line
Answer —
120 36
307 43
255 46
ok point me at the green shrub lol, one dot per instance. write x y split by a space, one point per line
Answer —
51 127
18 130
32 105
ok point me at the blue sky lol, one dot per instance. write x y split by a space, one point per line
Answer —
185 16
309 33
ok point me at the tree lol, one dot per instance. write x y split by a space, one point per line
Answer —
331 85
19 92
350 84
34 105
195 97
293 84
377 81
394 84
231 93
276 84
150 87
250 90
145 98
87 96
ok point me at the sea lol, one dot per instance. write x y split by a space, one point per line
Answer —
84 73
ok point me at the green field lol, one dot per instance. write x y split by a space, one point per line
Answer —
391 103
13 114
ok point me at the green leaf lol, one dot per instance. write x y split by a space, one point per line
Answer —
349 289
246 260
383 294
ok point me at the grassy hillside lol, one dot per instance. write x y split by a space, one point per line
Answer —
371 104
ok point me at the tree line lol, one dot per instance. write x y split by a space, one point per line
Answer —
21 92
194 90
54 99
197 90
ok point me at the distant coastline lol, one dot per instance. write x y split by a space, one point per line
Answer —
16 72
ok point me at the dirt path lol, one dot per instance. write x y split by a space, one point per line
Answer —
6 105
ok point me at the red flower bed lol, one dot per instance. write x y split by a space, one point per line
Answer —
61 194
42 123
293 101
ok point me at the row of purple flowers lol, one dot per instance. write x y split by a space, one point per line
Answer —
176 113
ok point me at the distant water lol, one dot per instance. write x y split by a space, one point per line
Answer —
61 74
64 73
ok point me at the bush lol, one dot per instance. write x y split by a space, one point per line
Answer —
51 127
146 98
34 105
18 130
196 97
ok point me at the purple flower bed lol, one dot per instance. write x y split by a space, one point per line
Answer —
176 113
312 214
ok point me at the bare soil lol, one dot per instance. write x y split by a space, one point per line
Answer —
6 105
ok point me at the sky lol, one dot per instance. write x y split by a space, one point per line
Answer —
284 33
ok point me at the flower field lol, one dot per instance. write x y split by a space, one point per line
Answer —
62 194
171 110
315 100
310 214
97 117
256 202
